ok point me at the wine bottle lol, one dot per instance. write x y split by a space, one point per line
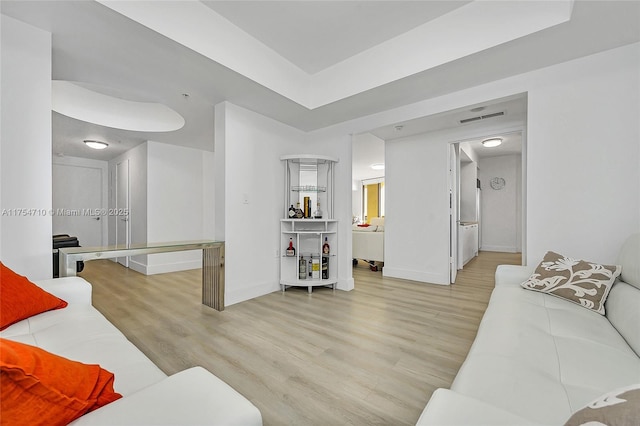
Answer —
325 246
318 213
291 251
302 272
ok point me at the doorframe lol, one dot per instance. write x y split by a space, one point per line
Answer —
523 182
127 219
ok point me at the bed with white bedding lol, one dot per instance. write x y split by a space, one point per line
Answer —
368 241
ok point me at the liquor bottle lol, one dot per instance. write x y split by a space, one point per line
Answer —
299 213
315 267
318 213
291 251
302 272
309 267
307 207
292 212
325 246
325 267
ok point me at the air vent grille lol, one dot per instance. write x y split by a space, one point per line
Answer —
481 117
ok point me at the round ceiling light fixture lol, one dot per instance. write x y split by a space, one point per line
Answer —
377 166
96 144
492 143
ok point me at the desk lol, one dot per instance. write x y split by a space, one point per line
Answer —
212 262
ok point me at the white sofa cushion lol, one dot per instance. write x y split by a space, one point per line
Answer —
193 396
534 350
447 408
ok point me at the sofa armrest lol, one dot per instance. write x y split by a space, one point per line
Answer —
191 397
512 275
449 408
73 290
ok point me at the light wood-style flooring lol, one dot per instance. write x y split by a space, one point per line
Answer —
370 356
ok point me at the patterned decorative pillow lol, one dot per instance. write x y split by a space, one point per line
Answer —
617 408
585 283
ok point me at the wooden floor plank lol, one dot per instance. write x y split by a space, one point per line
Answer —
370 356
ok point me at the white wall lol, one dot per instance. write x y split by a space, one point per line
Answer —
583 155
171 199
25 146
175 204
248 148
417 209
500 208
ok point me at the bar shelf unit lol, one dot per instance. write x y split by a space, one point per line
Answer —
309 177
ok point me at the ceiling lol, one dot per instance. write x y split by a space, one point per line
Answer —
308 64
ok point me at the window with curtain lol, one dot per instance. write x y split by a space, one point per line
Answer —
373 199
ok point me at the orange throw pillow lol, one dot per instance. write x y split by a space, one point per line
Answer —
40 388
20 298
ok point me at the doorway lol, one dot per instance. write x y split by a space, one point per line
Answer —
490 186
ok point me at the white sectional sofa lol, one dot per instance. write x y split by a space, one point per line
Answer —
538 358
81 333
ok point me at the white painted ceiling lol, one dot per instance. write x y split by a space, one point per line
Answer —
327 32
312 42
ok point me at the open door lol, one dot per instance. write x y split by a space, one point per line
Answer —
122 204
453 212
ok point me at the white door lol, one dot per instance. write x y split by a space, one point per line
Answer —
77 203
453 212
122 204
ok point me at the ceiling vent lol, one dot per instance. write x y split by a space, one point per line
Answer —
481 117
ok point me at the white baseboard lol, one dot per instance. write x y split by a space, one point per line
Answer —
231 297
407 274
504 249
165 267
346 284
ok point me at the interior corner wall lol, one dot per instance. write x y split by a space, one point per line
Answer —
175 204
340 147
25 146
248 147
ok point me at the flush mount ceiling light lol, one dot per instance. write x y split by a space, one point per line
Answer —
96 144
492 143
377 166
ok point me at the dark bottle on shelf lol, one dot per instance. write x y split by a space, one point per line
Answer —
302 272
309 267
292 212
291 251
325 267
